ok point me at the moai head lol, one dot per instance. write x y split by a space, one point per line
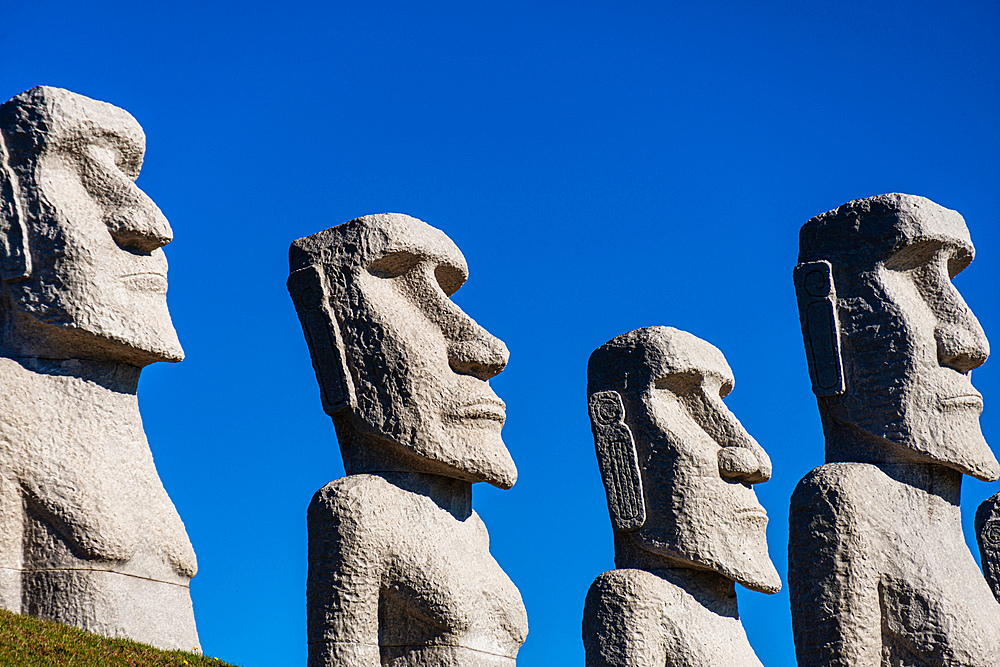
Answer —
84 275
678 467
890 342
403 372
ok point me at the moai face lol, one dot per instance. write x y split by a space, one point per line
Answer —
678 466
891 343
402 370
84 272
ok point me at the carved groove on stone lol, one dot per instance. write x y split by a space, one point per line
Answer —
618 459
988 535
15 260
820 328
308 289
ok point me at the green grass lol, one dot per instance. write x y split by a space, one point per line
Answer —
30 642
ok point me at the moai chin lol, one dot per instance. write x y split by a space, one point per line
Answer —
679 470
879 570
89 536
400 571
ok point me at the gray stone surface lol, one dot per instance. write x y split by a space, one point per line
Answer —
879 571
88 536
679 470
400 571
988 536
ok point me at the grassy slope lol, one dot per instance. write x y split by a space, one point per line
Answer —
30 642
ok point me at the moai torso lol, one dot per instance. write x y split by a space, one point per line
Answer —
89 536
400 572
640 618
879 570
678 468
889 579
397 601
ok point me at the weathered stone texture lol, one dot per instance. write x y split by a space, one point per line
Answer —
88 536
879 571
400 571
679 469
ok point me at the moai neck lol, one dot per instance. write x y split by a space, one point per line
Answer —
450 494
90 379
71 397
715 591
847 444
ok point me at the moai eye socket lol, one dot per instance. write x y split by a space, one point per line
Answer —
394 264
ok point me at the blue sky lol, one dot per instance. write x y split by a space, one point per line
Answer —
603 166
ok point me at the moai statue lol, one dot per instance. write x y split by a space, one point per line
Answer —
879 570
400 571
679 470
88 536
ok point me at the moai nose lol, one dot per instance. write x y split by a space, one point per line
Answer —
741 458
138 224
962 346
483 355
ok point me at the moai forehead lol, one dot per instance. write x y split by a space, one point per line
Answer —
866 232
634 361
81 244
46 119
402 369
351 248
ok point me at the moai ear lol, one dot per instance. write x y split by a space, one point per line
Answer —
820 327
15 260
329 359
988 535
618 460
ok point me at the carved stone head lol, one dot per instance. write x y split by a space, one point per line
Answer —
678 467
890 342
402 370
84 275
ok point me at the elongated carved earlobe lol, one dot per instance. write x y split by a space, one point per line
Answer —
988 535
618 460
312 302
820 327
15 260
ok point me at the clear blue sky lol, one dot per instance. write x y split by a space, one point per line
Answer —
603 166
